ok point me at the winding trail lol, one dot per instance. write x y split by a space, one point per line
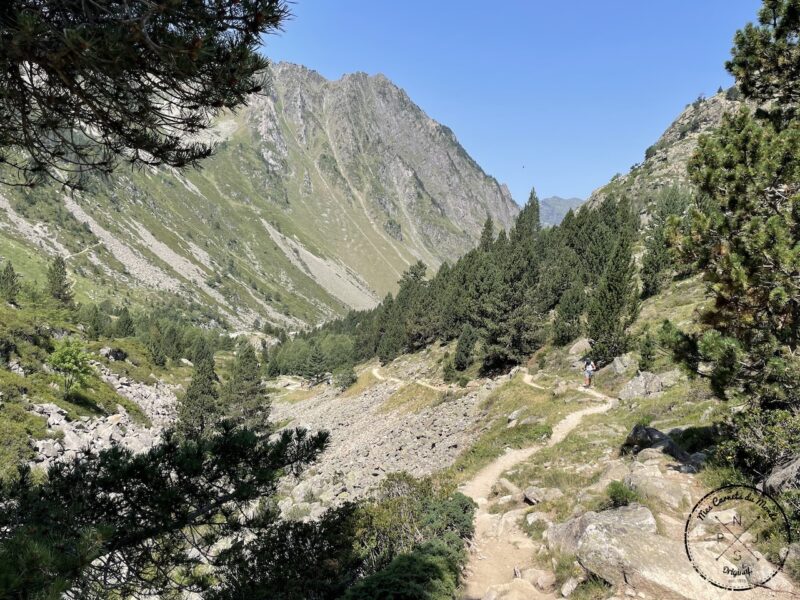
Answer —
499 546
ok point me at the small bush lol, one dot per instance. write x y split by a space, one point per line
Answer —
620 494
344 378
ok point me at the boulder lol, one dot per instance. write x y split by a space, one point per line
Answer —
515 415
581 347
642 436
560 388
784 477
654 566
566 537
538 517
648 481
622 363
643 385
535 495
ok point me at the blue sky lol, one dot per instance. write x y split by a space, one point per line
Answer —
560 96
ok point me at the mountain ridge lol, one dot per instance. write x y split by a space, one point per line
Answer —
319 196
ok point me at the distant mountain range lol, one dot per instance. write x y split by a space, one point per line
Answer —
553 209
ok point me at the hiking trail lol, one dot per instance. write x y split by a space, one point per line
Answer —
499 545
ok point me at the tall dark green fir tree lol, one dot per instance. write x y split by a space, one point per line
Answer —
199 408
613 304
58 284
9 283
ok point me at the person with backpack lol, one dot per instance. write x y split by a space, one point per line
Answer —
589 369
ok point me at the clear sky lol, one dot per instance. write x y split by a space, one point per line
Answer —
556 95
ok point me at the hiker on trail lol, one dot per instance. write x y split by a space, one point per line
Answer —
588 372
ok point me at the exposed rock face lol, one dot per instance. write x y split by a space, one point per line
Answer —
552 210
157 401
666 160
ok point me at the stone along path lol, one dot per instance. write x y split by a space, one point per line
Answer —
499 546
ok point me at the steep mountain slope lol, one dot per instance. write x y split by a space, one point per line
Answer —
320 195
553 209
665 161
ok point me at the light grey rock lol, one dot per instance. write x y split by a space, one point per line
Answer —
566 537
650 482
784 477
580 347
570 585
534 495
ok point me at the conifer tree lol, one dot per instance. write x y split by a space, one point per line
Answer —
567 325
316 365
155 346
647 350
743 235
98 323
243 395
464 347
9 283
132 80
199 409
657 260
58 285
124 325
487 235
613 304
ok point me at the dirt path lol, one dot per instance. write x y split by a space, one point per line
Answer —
377 374
528 378
499 545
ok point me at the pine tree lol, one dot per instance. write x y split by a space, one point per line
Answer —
124 325
243 395
647 350
487 235
613 304
567 325
657 261
98 323
315 366
9 283
58 285
133 81
464 347
199 409
155 347
743 235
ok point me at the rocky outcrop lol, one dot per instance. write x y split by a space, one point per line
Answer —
647 384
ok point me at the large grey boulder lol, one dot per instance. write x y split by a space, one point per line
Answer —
784 477
649 481
535 495
566 537
647 384
581 347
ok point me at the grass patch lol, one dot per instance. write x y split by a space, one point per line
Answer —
365 381
297 395
411 398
